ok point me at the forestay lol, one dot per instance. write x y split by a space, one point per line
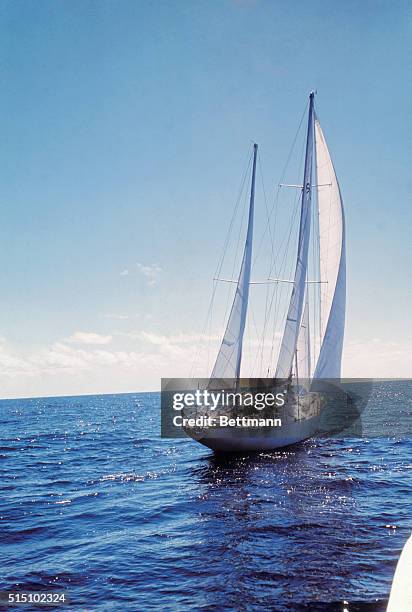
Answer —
229 358
294 315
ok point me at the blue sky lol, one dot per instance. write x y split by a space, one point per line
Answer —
124 131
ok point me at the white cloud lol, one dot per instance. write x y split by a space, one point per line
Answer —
11 365
136 361
66 369
176 338
151 272
61 356
88 338
377 358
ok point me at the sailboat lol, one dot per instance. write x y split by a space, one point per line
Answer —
302 412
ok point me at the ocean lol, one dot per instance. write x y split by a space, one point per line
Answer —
94 503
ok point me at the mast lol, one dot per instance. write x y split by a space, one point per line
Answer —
229 357
294 315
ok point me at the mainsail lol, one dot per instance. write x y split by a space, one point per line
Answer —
294 315
229 358
332 262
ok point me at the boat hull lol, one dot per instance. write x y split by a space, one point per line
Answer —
224 441
300 421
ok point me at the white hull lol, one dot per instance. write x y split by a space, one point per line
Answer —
300 421
237 440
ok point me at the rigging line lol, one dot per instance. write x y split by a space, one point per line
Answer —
238 200
228 309
272 244
209 336
272 267
243 195
275 207
282 289
300 165
284 171
257 336
220 264
291 263
276 294
296 196
279 293
252 313
206 328
266 210
272 261
272 264
235 260
275 223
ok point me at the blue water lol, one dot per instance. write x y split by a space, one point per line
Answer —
93 502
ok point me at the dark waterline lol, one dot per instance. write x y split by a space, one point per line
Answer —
95 503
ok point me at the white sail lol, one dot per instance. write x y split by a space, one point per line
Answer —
294 315
332 262
229 358
303 364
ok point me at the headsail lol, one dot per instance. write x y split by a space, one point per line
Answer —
229 358
332 262
294 315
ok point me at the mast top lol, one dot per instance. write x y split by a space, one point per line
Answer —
312 95
255 146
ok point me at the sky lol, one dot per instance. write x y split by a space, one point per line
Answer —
124 131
